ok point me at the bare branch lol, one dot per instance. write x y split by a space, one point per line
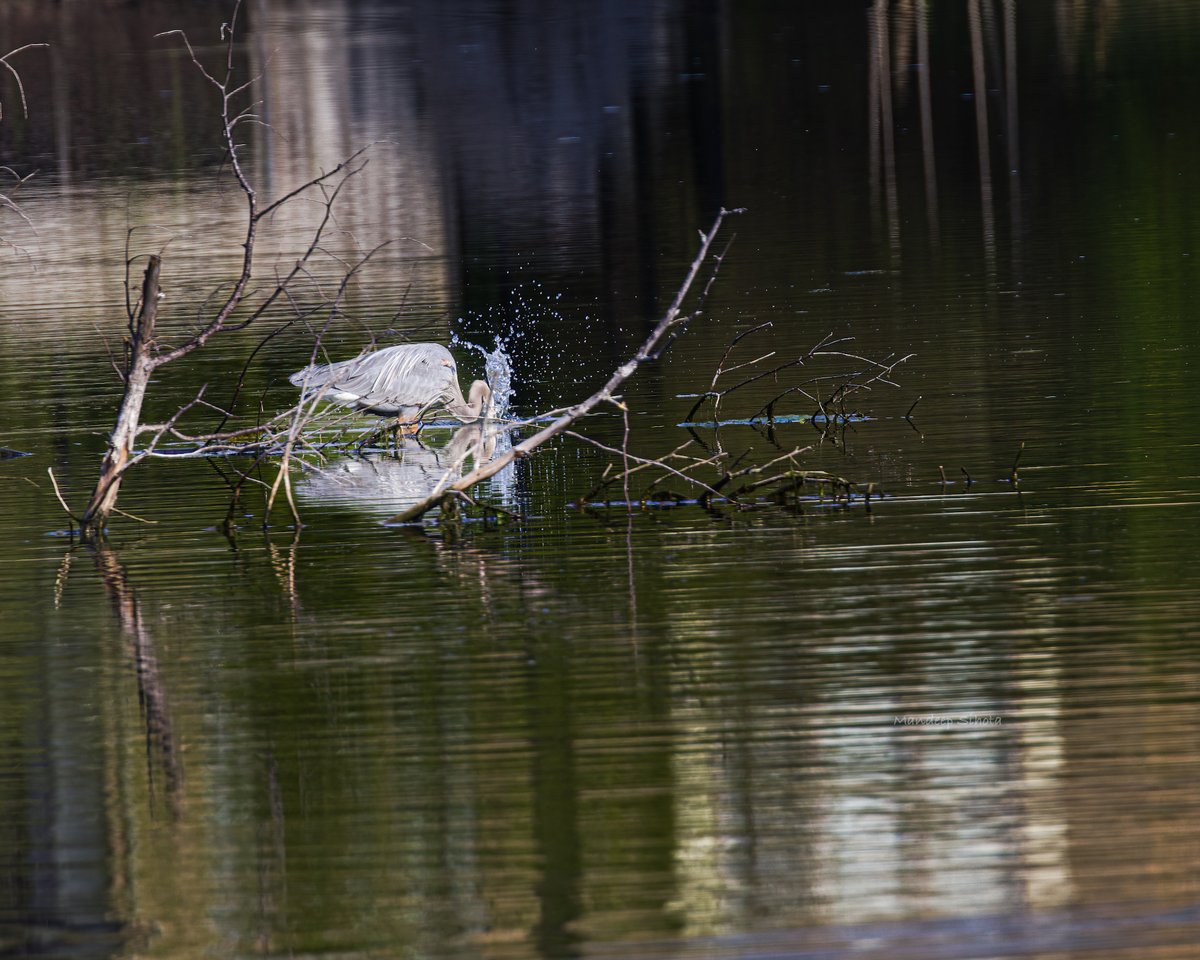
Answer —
644 463
316 181
132 516
191 53
58 493
604 394
16 76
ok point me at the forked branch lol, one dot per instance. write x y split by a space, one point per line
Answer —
147 354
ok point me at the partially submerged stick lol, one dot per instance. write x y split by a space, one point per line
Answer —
671 319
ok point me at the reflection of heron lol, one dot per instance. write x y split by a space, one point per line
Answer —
402 381
389 483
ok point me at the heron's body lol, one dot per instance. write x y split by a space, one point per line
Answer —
402 381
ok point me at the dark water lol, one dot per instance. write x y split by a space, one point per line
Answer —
962 723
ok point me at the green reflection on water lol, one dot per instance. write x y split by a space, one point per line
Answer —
594 727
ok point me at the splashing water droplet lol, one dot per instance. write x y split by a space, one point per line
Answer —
498 367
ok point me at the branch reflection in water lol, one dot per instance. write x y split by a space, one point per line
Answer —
152 694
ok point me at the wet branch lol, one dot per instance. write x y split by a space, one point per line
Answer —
644 463
819 349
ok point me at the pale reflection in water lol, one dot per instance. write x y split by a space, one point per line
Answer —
385 482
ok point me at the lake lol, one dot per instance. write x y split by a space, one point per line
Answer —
956 718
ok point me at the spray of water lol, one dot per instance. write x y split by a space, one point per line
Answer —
534 346
497 370
533 340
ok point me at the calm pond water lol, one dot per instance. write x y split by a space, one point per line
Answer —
962 722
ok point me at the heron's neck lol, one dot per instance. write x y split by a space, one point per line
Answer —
480 392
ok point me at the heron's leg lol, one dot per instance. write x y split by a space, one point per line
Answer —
410 428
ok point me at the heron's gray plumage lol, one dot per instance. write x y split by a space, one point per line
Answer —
402 381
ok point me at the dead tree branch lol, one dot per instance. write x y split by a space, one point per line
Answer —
120 443
644 463
16 76
146 354
671 319
816 350
5 201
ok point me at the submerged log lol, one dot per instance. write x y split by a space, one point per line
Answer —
139 366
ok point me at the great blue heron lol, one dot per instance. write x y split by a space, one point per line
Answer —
402 381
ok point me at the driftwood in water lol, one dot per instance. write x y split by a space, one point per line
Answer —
778 477
138 367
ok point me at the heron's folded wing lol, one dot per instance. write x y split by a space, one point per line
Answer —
408 375
411 375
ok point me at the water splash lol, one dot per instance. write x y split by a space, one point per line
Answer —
539 344
497 370
497 367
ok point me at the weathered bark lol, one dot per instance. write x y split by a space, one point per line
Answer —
138 368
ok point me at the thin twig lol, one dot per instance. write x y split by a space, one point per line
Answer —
16 76
625 449
645 462
58 493
132 516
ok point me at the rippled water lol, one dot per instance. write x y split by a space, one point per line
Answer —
958 720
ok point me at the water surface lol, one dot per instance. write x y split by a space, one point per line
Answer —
960 723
